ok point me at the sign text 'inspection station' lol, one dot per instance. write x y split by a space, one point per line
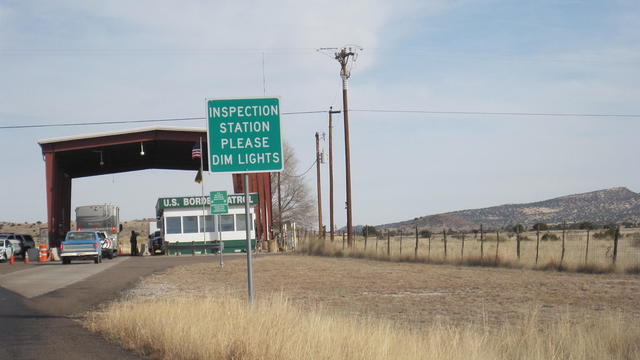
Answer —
244 135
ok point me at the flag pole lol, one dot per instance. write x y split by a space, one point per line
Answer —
204 215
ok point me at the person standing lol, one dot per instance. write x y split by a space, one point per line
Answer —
134 243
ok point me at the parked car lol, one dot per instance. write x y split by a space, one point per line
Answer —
81 245
15 243
26 242
6 250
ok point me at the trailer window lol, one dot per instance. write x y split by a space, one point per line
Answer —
174 225
226 223
241 222
208 226
189 224
81 236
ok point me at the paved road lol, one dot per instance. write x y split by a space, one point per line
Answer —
38 280
36 315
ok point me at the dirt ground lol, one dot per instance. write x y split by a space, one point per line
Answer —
413 294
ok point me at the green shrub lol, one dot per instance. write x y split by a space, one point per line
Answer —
540 226
549 237
493 238
608 233
369 230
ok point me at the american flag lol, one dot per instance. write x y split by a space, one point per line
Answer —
195 152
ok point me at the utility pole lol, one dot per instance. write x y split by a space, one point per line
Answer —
318 160
343 58
280 212
332 225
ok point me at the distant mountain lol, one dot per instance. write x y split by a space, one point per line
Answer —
603 206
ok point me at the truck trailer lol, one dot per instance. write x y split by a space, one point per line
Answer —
105 218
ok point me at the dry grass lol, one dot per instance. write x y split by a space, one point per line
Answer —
228 328
633 270
313 307
414 294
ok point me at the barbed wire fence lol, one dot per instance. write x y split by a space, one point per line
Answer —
579 250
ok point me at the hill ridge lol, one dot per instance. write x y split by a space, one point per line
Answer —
617 204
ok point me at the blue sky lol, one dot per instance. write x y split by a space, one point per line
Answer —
74 61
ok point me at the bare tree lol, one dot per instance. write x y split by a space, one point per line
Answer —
297 203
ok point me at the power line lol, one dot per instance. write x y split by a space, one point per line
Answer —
134 121
400 51
495 113
306 171
98 123
125 52
390 111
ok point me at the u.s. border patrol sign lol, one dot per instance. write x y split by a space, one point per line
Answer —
244 135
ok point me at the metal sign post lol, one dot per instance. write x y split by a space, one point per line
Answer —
247 217
244 137
219 205
220 243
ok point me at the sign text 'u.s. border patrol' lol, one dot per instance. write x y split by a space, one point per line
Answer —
244 135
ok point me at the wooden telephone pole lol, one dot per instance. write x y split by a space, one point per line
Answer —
318 185
343 58
331 222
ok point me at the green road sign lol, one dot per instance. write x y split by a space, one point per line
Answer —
219 202
244 135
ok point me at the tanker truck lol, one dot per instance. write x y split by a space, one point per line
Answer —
105 218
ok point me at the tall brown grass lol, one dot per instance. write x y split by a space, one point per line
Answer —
272 328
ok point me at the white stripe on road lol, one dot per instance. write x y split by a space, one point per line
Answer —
47 277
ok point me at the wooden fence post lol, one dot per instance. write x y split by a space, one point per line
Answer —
400 241
388 244
416 251
462 249
616 234
537 243
366 231
481 244
518 241
586 253
378 239
343 240
564 224
445 242
429 253
497 246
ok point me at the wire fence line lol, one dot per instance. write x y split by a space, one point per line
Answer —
573 250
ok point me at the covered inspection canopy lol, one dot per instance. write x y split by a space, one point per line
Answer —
111 152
